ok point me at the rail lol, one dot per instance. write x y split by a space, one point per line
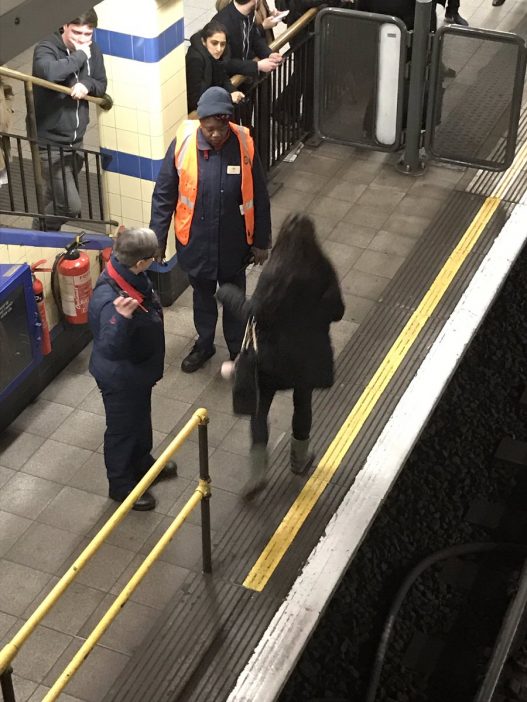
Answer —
104 102
279 105
201 495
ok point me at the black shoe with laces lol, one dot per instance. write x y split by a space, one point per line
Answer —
196 359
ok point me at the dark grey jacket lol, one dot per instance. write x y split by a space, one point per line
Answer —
61 120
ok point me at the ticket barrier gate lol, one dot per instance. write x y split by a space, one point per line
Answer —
456 92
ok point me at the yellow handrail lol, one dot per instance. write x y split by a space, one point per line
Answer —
105 101
81 655
11 649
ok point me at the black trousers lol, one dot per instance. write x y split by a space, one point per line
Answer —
128 436
206 312
302 415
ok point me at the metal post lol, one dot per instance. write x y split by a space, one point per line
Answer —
205 504
35 154
6 682
411 164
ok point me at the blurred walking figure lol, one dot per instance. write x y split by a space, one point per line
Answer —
296 299
126 320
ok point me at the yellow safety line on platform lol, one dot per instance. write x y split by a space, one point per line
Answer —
287 530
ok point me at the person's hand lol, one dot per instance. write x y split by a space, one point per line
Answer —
266 65
79 91
260 256
126 306
237 96
160 254
276 58
83 47
271 22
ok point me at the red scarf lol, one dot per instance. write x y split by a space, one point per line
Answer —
123 284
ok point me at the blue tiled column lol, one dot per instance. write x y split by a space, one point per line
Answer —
142 42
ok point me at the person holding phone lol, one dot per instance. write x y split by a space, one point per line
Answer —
212 183
127 359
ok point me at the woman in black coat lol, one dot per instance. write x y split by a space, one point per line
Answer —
204 67
295 301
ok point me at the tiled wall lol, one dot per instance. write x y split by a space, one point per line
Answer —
145 60
144 54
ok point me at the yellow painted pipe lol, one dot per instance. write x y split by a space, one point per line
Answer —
10 650
124 595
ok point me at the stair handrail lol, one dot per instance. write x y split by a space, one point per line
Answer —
105 102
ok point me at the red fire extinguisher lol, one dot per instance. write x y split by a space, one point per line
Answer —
73 269
38 292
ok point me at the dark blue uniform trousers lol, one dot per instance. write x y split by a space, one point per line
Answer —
128 436
206 312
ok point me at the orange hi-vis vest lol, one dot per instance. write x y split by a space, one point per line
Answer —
186 161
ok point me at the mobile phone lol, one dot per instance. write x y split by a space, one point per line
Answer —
281 15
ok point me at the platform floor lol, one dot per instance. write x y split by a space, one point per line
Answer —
52 480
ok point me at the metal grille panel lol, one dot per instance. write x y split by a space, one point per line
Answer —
474 118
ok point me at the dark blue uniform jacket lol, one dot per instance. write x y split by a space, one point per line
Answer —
126 352
218 245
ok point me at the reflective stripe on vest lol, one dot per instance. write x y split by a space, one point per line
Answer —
186 163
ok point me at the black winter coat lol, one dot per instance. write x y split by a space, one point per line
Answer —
203 71
294 347
240 52
61 120
126 352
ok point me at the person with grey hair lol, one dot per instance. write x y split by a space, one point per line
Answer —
127 360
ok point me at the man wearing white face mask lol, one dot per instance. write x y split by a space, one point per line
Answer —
69 57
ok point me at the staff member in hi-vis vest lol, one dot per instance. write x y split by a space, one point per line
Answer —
212 182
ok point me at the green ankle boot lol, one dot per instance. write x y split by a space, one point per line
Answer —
258 462
301 458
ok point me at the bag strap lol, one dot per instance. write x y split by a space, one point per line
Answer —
249 337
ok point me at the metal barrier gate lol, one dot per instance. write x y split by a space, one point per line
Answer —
379 86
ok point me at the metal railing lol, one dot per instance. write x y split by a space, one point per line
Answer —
278 107
201 495
43 155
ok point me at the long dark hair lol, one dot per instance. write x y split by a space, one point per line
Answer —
296 263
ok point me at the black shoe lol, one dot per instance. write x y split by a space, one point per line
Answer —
497 3
457 19
168 472
196 359
145 503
